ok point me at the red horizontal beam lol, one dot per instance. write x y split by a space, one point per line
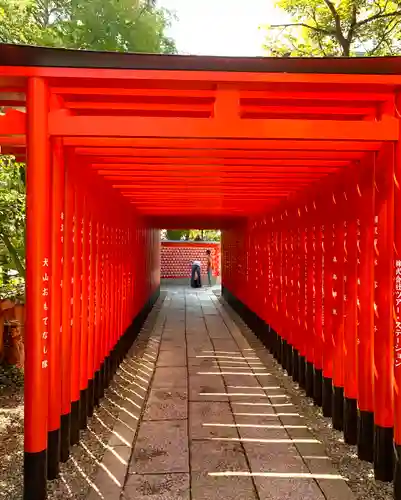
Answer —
291 109
277 95
159 161
216 144
217 153
202 220
210 181
213 174
140 106
61 124
206 108
181 76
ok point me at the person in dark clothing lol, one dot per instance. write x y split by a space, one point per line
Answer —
209 266
196 274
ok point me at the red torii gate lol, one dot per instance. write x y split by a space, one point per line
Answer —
297 160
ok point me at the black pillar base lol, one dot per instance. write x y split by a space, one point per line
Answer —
302 372
74 431
318 387
83 409
290 360
338 408
350 421
96 389
397 472
53 454
35 472
365 435
295 362
309 379
383 458
106 372
284 361
279 349
102 377
91 397
327 396
65 429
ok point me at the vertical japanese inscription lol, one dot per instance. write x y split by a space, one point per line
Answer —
45 315
397 308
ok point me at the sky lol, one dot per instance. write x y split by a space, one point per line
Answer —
221 27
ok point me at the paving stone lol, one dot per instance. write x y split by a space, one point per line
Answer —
242 381
274 457
166 404
204 420
205 487
170 378
115 462
207 388
217 456
287 488
201 363
157 487
172 358
122 434
161 447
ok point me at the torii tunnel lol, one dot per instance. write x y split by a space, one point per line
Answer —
296 160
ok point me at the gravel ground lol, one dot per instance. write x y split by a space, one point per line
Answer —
11 434
359 474
77 474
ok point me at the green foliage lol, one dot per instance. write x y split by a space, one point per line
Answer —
336 28
205 234
192 234
12 216
112 25
177 234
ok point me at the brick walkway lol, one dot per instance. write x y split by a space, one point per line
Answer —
204 419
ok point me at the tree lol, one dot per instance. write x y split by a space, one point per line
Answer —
12 215
112 25
177 234
342 28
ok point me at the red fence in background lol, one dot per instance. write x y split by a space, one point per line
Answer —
177 257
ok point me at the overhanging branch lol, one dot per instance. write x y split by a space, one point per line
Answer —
304 25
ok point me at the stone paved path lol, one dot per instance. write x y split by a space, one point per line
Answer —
205 420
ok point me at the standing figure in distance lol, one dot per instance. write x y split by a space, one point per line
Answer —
196 274
209 267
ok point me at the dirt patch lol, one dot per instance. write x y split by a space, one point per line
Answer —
11 433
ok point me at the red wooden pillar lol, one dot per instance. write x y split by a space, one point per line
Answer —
38 268
103 307
54 319
350 314
84 299
311 306
328 346
91 308
67 299
365 309
290 299
397 321
76 325
283 293
338 309
302 281
98 294
319 316
383 327
297 261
